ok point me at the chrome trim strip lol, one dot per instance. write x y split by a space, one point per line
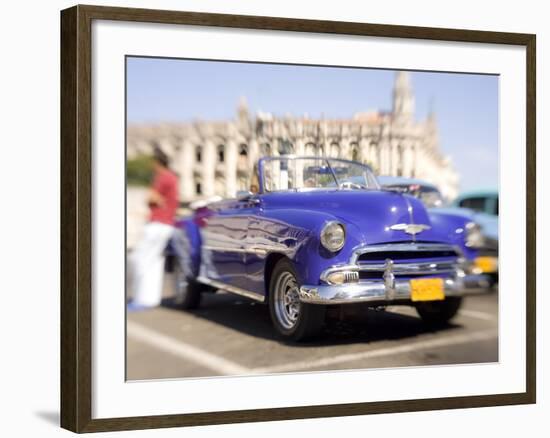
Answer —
422 268
230 288
418 247
412 268
247 250
384 291
389 280
223 248
410 210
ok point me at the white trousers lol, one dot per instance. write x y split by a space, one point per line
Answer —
148 263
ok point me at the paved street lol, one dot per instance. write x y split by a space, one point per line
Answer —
230 335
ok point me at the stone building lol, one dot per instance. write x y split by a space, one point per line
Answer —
217 157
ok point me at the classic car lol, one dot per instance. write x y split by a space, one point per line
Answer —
472 206
320 232
482 205
480 201
428 193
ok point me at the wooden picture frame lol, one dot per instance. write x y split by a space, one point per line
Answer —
76 217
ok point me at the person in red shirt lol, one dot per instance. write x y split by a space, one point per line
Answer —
148 256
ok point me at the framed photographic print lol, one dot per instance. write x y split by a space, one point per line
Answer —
269 218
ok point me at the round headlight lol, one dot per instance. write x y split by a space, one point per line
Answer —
474 236
333 236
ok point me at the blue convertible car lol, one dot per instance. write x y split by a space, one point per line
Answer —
317 232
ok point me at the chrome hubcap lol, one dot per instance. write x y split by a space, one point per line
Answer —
287 301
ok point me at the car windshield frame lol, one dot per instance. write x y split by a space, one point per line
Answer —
373 183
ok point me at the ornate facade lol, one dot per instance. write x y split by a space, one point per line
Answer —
216 158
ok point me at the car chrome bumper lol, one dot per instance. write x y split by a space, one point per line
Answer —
378 292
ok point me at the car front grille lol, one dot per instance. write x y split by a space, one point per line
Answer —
406 260
404 251
404 255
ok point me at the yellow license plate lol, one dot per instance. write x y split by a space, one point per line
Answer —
427 289
486 265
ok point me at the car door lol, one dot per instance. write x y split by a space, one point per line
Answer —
268 235
223 252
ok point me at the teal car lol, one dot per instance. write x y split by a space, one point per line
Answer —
483 204
480 201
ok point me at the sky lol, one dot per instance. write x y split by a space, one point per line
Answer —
465 105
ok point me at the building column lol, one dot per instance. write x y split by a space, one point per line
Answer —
231 158
408 161
394 157
373 155
420 162
344 146
253 153
299 147
185 164
208 169
364 150
364 147
326 148
384 165
276 174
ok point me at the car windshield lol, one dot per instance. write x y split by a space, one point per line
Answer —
302 173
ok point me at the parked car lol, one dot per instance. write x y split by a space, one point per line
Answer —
428 193
480 201
321 232
480 207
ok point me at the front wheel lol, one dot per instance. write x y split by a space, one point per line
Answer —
438 313
187 292
293 319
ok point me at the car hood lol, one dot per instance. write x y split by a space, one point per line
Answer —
368 214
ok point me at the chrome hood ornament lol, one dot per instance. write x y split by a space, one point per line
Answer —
410 228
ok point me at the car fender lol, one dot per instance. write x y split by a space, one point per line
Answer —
454 227
304 249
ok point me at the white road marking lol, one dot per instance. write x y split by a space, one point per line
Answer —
389 351
477 315
226 367
184 350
